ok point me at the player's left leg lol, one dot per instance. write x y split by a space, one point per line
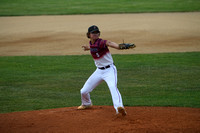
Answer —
110 77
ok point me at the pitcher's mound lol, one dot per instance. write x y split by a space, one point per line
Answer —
102 119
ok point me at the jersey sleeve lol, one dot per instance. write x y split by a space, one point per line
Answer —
103 44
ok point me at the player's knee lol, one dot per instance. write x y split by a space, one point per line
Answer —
83 92
112 87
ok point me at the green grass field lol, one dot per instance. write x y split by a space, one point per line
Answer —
63 7
44 82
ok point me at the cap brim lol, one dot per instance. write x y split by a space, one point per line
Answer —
94 30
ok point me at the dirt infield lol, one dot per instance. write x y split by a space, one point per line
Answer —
64 35
102 119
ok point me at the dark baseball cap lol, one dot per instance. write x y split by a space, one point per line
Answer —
93 28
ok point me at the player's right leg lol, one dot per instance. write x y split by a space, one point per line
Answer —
94 80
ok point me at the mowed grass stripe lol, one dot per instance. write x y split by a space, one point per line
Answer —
65 7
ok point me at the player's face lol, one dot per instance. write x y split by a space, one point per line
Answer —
94 35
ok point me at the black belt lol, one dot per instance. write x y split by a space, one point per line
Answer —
102 68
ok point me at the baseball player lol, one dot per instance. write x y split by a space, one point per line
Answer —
106 70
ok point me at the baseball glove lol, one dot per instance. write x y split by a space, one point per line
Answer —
126 45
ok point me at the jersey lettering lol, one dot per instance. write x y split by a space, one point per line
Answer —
93 49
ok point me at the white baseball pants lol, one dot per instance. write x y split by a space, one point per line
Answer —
108 75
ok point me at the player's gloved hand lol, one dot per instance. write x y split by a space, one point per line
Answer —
126 45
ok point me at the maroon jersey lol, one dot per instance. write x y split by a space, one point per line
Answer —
99 48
